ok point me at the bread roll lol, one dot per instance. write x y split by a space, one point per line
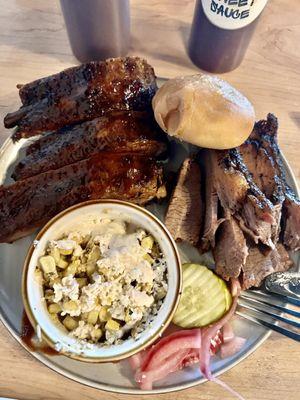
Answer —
204 110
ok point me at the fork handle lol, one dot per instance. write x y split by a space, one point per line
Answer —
274 327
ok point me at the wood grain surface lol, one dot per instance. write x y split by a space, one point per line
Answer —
33 43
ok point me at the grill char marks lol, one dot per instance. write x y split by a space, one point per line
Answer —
257 202
265 132
263 172
28 204
123 132
240 196
185 212
83 93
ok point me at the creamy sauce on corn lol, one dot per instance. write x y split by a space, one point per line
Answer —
106 286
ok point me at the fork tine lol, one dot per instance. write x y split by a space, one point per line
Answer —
268 303
249 305
273 297
277 328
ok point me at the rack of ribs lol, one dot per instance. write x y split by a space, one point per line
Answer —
121 132
83 93
30 203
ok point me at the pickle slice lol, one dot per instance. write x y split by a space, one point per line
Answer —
205 297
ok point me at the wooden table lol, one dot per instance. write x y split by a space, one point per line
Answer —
33 43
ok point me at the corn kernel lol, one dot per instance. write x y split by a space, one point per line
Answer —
70 305
70 323
81 282
148 258
55 318
54 308
62 264
49 294
65 252
38 276
72 268
93 317
96 334
54 252
84 316
147 243
48 264
104 314
90 268
94 255
112 325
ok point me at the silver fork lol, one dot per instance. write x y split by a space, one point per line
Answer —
266 308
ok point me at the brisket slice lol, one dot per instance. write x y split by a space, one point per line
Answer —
265 131
259 265
82 93
239 195
211 219
263 171
30 203
231 251
184 215
124 132
234 257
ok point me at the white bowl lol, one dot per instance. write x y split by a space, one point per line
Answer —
82 217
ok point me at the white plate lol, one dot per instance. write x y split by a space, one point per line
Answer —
109 376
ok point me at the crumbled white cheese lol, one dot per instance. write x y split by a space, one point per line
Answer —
68 288
120 281
66 244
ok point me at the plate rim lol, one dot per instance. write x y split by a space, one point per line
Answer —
135 391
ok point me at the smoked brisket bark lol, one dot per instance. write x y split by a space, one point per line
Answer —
185 212
82 93
239 195
265 131
30 203
123 132
263 172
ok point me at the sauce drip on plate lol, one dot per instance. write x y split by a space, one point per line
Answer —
27 335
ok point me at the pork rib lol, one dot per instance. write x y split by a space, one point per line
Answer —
28 204
185 211
265 132
124 132
82 93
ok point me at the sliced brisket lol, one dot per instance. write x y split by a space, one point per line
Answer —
211 219
239 195
185 211
263 171
265 132
259 265
231 251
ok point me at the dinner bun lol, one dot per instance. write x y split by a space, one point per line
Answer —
205 111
